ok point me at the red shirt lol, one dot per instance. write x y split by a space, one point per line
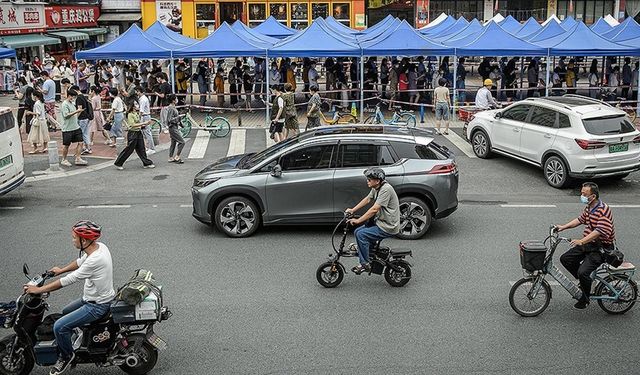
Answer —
599 219
403 82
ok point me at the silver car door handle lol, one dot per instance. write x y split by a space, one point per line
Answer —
547 135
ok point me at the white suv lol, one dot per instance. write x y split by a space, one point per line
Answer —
569 137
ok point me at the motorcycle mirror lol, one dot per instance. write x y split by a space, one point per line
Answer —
276 171
25 270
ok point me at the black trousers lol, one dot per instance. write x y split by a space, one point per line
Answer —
580 261
135 142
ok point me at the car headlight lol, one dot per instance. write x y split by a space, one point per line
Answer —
200 183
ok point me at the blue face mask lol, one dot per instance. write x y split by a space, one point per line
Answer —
584 199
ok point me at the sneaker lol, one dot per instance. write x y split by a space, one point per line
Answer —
65 163
62 365
581 304
151 152
150 166
360 268
81 162
85 152
119 167
166 131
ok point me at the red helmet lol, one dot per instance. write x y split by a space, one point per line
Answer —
87 230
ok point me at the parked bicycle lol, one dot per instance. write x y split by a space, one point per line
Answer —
614 290
399 118
218 126
609 95
340 117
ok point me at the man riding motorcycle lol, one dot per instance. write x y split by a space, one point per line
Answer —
96 269
385 209
484 99
599 233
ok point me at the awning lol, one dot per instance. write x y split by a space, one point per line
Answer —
28 40
120 17
91 31
70 36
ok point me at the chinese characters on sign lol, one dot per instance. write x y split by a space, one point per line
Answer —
72 16
18 18
170 14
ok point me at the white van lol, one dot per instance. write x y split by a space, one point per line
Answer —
11 157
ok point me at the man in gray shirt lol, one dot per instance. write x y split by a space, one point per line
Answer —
385 209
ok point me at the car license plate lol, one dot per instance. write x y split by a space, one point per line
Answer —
7 160
620 147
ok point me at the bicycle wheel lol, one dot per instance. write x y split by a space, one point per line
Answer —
523 304
155 124
186 127
221 126
407 119
329 274
627 297
370 120
347 118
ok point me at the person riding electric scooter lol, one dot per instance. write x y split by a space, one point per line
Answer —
381 221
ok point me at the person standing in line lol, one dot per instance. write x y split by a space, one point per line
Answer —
384 77
83 119
172 122
97 124
258 79
145 118
38 134
182 82
235 76
274 76
277 123
291 76
412 78
135 139
129 95
532 78
291 125
627 76
116 115
49 94
393 83
461 76
594 79
116 76
403 86
634 82
313 109
218 83
306 62
313 74
247 83
570 79
202 79
443 105
21 94
71 132
614 82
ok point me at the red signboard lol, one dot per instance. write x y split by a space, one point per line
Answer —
59 16
21 18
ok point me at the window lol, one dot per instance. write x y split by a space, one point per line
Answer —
544 117
257 14
341 12
205 19
278 11
6 122
516 113
608 125
365 155
319 10
313 157
564 121
589 17
299 15
416 151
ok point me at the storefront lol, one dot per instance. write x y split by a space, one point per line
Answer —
66 22
405 10
199 18
587 11
118 15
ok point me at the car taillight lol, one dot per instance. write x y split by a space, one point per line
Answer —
636 140
443 169
590 145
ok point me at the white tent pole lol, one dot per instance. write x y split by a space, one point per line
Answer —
361 87
521 76
173 76
267 92
455 95
546 83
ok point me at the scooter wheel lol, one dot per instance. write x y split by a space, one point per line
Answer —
330 274
397 278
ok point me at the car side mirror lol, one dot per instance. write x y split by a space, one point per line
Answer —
25 269
276 171
498 115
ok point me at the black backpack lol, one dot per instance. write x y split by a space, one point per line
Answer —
88 108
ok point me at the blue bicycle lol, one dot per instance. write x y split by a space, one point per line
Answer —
399 118
615 291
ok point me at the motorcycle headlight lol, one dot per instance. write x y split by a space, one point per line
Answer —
200 183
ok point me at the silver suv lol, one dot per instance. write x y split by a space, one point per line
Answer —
568 137
314 177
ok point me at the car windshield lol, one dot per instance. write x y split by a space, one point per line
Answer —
618 124
269 152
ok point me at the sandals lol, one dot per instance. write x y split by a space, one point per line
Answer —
360 268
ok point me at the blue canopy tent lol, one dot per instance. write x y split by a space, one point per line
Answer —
224 42
531 26
628 29
473 28
159 32
271 27
314 41
459 25
7 53
495 41
601 26
404 40
568 23
582 41
346 37
251 34
510 24
433 30
339 26
376 33
133 44
552 29
381 25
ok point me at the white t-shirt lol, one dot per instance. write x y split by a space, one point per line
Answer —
97 272
117 105
145 108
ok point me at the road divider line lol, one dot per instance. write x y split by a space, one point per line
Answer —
186 206
551 282
270 142
461 144
624 205
106 206
528 205
199 147
237 142
12 208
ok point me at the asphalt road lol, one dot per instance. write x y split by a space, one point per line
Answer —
253 306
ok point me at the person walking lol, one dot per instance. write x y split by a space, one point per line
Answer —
443 105
202 78
38 134
593 79
29 102
97 124
71 132
247 83
48 90
145 118
21 93
135 139
277 123
83 119
116 116
313 109
172 122
291 125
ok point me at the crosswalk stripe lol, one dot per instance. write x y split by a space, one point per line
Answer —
270 142
199 147
461 144
237 142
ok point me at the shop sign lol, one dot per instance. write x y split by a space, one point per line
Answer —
17 18
360 20
72 16
422 14
169 12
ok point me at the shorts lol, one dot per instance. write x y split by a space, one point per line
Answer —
50 109
442 111
73 136
291 123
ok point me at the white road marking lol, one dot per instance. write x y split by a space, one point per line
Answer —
12 208
461 144
270 142
237 142
551 282
624 205
528 205
186 206
199 147
106 206
155 206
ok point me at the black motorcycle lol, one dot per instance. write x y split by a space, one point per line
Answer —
111 341
397 271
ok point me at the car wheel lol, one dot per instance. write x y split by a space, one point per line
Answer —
556 172
481 144
237 216
415 218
